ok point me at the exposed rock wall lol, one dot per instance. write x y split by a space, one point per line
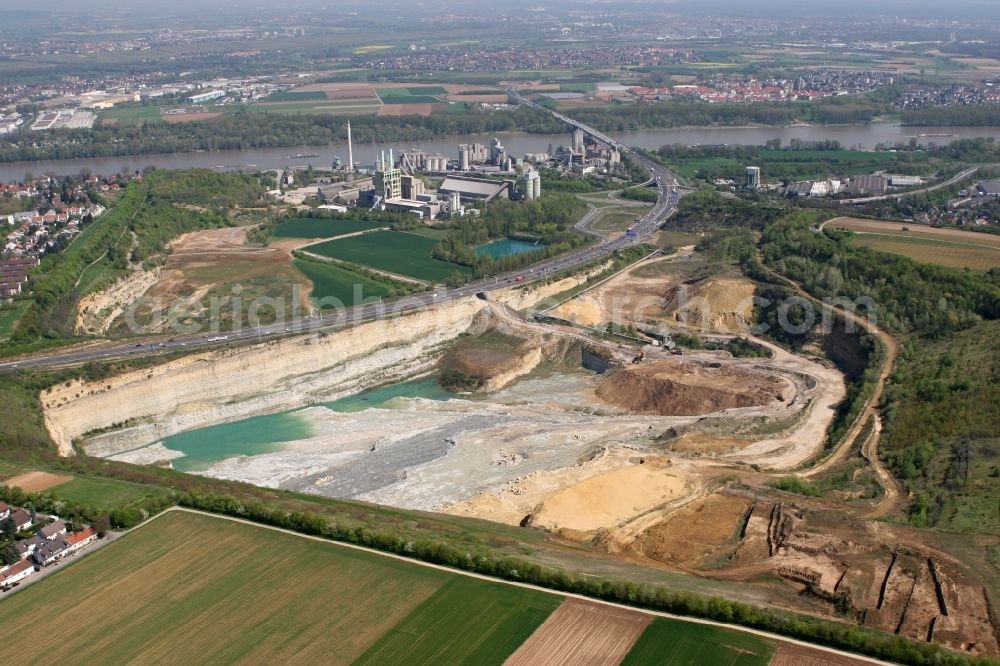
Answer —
222 386
98 310
142 406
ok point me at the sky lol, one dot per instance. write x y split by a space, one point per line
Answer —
786 8
917 9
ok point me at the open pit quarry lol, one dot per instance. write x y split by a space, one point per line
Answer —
546 426
537 410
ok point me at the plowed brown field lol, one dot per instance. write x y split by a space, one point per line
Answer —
36 482
580 632
798 655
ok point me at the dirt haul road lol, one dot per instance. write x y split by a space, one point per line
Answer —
890 348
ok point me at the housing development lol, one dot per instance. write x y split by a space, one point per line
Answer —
521 334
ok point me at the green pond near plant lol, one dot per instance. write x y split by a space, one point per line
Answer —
267 433
507 247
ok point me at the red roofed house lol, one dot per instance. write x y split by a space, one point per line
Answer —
16 572
80 539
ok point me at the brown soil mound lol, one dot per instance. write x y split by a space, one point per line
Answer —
499 354
485 355
671 388
698 533
719 304
607 500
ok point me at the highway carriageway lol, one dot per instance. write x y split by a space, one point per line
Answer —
666 203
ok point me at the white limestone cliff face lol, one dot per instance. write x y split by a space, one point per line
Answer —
140 407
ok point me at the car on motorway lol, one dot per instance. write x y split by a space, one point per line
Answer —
520 278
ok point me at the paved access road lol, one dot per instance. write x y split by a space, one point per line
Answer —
909 193
668 196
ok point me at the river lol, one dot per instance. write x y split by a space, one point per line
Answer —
865 136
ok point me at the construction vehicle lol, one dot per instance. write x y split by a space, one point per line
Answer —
638 358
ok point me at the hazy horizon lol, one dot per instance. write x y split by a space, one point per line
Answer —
788 9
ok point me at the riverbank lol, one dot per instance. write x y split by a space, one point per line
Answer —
517 143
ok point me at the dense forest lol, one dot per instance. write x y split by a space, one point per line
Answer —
706 209
941 401
618 118
549 219
931 301
977 115
799 160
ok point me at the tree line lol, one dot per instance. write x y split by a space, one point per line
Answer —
654 597
973 115
548 221
249 130
138 226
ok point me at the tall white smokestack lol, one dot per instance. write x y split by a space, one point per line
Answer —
350 150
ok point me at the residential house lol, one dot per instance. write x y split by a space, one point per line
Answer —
51 551
16 572
4 510
27 547
22 519
52 530
64 545
78 540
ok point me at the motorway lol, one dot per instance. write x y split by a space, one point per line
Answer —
668 192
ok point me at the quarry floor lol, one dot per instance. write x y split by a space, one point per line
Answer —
665 462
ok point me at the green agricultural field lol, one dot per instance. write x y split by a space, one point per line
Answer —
427 232
666 642
465 622
336 282
954 248
311 227
934 252
690 167
338 107
393 251
9 316
410 99
193 588
133 115
188 588
104 494
583 87
393 93
296 96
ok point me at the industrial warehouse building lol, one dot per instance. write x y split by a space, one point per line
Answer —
476 189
